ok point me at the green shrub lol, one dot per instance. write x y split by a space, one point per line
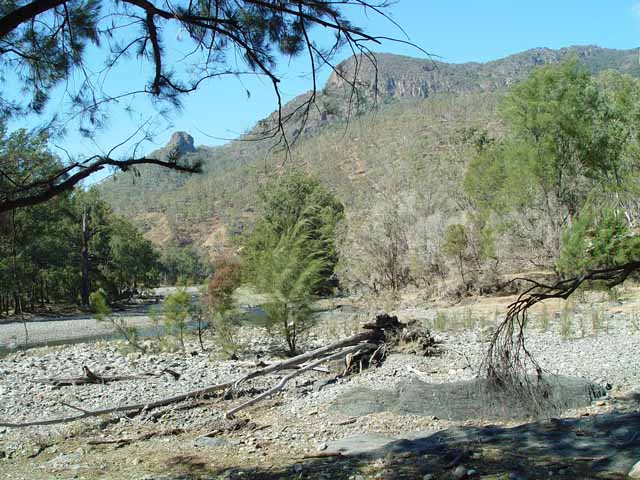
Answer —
100 307
176 309
290 275
566 322
296 201
597 319
545 319
634 320
598 238
456 246
468 320
221 305
440 322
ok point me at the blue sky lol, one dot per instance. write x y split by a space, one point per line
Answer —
456 31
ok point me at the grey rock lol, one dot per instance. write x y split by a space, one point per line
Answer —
211 442
464 399
359 444
460 472
635 471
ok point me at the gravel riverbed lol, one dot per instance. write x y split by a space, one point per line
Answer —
58 330
301 419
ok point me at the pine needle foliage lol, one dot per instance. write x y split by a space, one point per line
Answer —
290 274
102 312
599 238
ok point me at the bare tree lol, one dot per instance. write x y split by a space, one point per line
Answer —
509 364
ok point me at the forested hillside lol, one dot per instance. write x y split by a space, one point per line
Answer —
400 167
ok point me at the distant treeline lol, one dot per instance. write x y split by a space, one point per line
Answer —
60 251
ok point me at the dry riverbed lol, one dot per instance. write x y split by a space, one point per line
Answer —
301 434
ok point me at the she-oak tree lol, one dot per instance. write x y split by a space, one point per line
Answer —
52 45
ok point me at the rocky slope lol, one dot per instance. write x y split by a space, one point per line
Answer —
423 105
406 77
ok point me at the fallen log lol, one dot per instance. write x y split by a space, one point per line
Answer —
137 407
90 377
386 332
121 442
285 380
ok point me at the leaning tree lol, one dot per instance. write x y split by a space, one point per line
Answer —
583 133
72 47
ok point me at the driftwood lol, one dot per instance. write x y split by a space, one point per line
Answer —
285 380
138 407
90 377
262 363
121 442
378 337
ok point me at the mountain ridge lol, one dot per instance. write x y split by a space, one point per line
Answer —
224 193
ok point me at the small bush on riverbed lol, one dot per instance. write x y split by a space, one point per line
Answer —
290 275
176 311
98 303
291 254
221 304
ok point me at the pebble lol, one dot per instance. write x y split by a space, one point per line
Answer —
210 442
617 364
635 471
460 472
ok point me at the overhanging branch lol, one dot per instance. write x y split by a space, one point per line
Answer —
508 363
53 189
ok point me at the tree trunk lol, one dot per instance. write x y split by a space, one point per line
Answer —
84 288
17 290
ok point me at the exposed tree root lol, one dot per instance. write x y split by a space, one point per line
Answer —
306 368
508 364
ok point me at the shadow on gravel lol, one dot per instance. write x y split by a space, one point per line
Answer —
597 447
469 399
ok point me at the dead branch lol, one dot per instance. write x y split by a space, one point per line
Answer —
376 334
235 425
372 336
320 455
508 364
90 377
285 380
262 363
121 442
125 408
